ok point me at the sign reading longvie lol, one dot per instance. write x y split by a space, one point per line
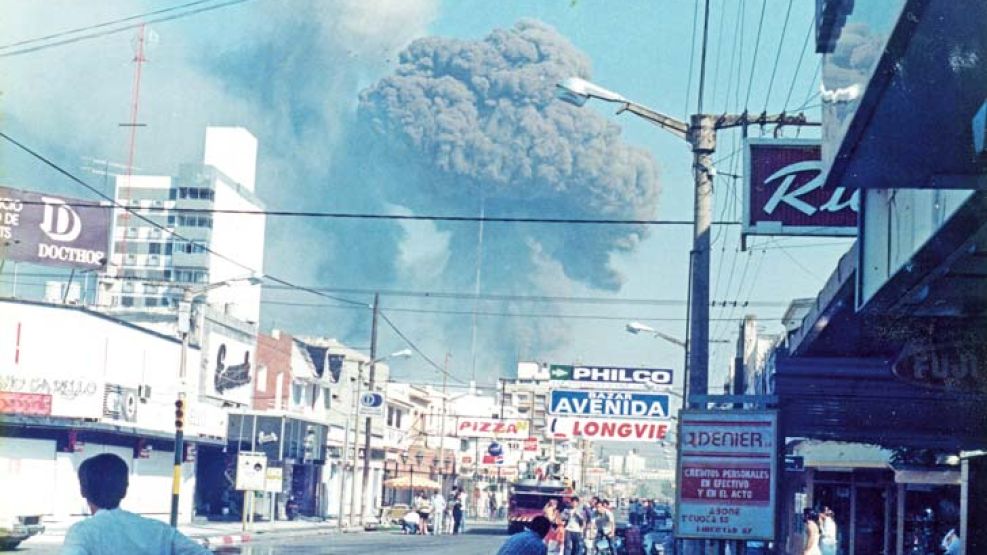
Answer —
728 467
492 428
605 429
53 230
784 194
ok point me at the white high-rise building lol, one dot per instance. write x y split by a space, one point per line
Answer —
150 267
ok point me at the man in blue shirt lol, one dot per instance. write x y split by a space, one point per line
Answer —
530 541
103 480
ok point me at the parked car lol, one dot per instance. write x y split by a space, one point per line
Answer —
15 529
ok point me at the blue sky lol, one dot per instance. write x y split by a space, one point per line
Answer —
292 72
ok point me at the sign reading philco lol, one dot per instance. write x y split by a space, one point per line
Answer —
53 230
610 375
492 428
727 471
951 366
784 194
620 404
605 429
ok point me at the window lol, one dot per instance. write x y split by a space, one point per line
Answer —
261 378
154 248
127 301
151 301
172 193
167 273
171 220
167 248
193 192
326 398
296 393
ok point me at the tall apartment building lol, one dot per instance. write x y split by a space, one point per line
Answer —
149 266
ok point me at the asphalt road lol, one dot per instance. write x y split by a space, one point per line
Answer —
476 542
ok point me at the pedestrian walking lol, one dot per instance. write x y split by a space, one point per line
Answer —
424 508
438 512
575 523
103 482
457 510
827 531
811 519
529 542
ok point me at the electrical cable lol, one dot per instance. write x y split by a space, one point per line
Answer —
733 55
90 36
757 45
692 60
99 193
781 44
798 66
415 348
397 217
719 49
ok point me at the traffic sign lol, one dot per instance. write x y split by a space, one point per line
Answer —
610 375
611 404
372 403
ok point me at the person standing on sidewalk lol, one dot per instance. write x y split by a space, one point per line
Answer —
457 510
103 482
438 512
575 522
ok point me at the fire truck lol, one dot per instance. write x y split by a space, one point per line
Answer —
528 499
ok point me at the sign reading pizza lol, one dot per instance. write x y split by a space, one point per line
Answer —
727 472
492 428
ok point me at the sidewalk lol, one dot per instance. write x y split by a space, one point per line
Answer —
214 534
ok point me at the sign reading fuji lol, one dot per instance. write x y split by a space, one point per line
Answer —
619 404
610 375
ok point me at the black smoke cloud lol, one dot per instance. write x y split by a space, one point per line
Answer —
479 119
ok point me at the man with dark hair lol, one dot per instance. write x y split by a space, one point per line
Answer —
103 481
529 542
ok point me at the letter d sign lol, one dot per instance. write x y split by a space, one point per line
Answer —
60 222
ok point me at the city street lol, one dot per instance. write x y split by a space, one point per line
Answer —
479 541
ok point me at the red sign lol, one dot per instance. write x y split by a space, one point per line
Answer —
738 484
33 404
784 193
531 444
492 428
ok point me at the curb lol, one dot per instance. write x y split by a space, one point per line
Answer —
247 537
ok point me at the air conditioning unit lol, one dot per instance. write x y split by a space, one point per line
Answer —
144 392
153 260
155 232
131 232
131 259
157 203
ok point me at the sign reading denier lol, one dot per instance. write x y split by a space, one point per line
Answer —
610 375
727 473
784 194
53 230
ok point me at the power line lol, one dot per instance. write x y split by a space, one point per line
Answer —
692 59
98 34
798 66
415 348
101 25
757 45
781 44
99 193
399 217
702 59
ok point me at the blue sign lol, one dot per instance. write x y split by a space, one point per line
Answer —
612 404
372 404
495 449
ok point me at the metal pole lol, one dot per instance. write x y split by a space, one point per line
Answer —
356 436
366 438
176 474
342 471
442 425
702 137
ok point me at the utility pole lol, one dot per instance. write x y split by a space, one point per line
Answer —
367 423
442 425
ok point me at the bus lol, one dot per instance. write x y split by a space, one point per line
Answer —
529 497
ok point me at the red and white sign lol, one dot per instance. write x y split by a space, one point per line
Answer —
784 191
492 428
606 429
531 444
728 467
31 404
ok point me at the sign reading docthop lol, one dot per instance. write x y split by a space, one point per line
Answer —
53 230
728 465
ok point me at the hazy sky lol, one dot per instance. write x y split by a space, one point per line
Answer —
349 118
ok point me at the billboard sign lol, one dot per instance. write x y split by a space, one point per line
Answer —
728 471
610 375
251 471
784 191
372 404
53 230
30 404
492 428
605 429
120 403
607 404
228 368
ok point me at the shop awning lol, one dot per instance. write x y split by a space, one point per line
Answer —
412 482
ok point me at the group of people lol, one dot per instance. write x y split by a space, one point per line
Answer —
820 532
446 517
574 528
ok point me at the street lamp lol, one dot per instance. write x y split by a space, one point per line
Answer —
638 328
189 295
700 133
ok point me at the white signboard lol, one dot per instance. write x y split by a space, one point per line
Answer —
727 473
609 375
492 428
228 368
605 429
274 481
372 404
251 471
